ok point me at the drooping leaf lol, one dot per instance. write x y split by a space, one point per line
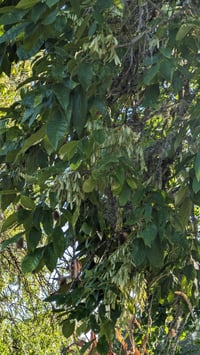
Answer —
35 138
85 74
183 31
57 126
10 222
25 4
33 237
68 150
50 258
197 166
59 242
32 260
151 73
27 202
79 110
149 234
89 185
68 328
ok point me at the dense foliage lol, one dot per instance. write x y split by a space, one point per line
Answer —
100 164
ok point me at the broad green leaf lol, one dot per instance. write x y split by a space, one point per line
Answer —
34 139
12 16
79 110
99 136
149 234
62 93
47 221
182 193
166 52
102 5
26 4
68 327
183 31
108 329
85 74
125 195
76 6
27 202
132 183
32 260
155 254
12 33
151 95
167 70
89 185
195 185
50 258
59 242
12 240
102 346
57 126
68 150
151 73
139 252
184 212
197 166
10 222
33 237
50 3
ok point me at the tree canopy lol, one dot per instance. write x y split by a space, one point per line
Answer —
100 163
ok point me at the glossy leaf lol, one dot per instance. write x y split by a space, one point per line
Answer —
32 260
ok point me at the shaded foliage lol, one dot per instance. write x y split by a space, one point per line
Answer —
100 162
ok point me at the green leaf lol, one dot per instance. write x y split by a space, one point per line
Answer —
79 110
166 52
99 135
12 33
89 185
183 31
47 221
32 260
33 238
76 6
184 212
151 95
85 74
102 346
26 4
139 252
62 93
167 70
57 126
68 150
12 240
34 139
27 202
102 5
68 328
50 258
10 222
149 234
59 242
155 254
197 166
195 185
181 194
151 73
108 330
125 195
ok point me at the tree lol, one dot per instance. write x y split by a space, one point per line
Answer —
100 163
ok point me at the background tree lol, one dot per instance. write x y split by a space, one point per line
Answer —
100 163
